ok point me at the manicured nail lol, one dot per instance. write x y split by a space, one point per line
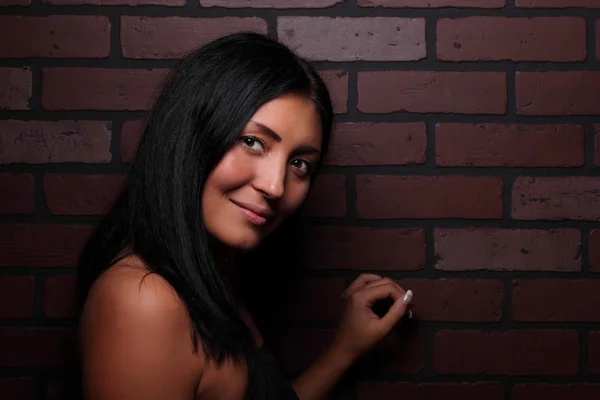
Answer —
407 297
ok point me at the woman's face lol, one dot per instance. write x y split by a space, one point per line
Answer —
265 176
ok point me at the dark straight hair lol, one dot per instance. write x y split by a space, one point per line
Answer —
205 104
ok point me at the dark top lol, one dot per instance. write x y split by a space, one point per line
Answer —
265 380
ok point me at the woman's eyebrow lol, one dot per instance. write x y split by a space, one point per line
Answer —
276 137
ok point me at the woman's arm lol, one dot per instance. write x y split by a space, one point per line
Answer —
360 329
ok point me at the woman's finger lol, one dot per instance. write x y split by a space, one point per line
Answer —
396 311
382 281
359 282
368 297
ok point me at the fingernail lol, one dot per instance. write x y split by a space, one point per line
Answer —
407 297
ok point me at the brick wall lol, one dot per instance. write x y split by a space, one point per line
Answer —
464 164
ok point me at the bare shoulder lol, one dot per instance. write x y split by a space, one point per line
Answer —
135 338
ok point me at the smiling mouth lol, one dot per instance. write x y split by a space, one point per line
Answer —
252 216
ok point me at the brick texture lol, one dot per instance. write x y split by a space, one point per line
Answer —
143 37
363 144
15 3
597 145
531 300
59 299
432 3
557 3
594 352
15 88
170 3
521 250
36 347
558 93
70 194
327 197
100 88
343 248
457 300
17 194
515 39
423 391
527 352
595 250
42 142
428 197
532 391
432 92
16 296
509 145
575 198
280 4
41 245
55 36
337 83
373 39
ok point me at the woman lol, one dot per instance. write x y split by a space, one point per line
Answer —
229 152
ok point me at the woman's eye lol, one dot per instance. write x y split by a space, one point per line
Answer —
302 165
252 143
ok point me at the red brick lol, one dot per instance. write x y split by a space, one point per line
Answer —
103 89
18 388
428 197
41 245
373 39
427 391
509 145
337 83
597 145
557 3
398 353
15 3
598 39
457 300
59 296
131 133
515 39
556 198
558 93
432 92
280 4
172 3
74 194
313 301
508 249
594 352
327 197
385 143
36 347
40 142
144 37
16 297
433 3
525 352
17 193
322 247
556 300
55 36
15 88
595 250
536 391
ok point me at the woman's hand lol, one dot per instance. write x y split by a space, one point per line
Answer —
360 328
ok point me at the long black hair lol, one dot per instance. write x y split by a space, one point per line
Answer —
206 101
